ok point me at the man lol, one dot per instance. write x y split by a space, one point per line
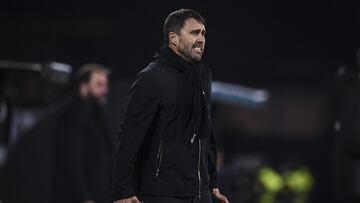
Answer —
166 150
83 145
347 133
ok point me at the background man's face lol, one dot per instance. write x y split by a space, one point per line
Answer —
98 86
191 40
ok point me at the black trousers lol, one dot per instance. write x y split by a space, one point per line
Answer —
205 198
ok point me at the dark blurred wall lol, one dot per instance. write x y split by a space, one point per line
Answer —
253 41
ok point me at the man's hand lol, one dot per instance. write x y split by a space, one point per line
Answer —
133 199
216 193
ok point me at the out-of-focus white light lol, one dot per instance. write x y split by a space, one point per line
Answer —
238 94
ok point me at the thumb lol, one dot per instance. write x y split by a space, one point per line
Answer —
135 200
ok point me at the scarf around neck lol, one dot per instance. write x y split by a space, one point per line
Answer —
193 97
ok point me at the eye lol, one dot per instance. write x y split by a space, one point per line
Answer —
195 32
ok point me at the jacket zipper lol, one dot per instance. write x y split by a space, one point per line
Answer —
193 138
158 159
199 174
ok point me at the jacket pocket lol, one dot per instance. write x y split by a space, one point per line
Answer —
159 158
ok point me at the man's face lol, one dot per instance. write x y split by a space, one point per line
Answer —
98 86
191 40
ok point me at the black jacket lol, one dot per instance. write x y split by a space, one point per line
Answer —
83 154
159 150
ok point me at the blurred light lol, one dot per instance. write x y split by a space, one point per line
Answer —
237 94
299 180
270 179
3 151
337 126
20 66
54 72
58 73
61 67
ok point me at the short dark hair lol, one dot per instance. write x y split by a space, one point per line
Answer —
175 21
83 74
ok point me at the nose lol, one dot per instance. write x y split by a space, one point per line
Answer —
200 42
201 38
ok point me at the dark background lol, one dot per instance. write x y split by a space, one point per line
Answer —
253 41
290 48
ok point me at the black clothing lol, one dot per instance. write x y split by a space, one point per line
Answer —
349 116
83 154
347 143
205 198
28 173
166 145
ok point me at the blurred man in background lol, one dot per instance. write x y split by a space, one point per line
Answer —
347 134
83 147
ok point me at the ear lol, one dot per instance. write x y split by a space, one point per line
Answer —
173 38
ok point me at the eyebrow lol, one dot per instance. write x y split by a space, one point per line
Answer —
198 30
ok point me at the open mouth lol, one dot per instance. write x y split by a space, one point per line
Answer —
198 49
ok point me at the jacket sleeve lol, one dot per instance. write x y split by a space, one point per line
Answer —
212 162
140 111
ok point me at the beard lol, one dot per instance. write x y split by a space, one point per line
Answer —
98 100
102 100
187 52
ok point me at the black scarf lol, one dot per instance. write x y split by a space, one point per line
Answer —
194 100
